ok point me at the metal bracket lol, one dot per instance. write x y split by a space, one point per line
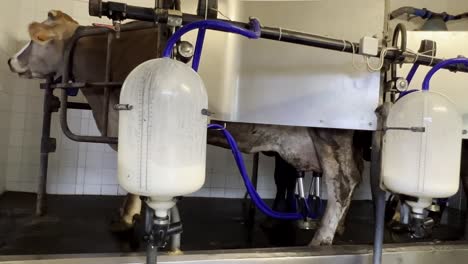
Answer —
54 104
48 145
123 107
174 18
412 129
206 112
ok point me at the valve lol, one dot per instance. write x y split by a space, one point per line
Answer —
158 230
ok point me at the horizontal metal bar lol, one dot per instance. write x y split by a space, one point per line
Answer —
277 34
85 85
69 134
79 106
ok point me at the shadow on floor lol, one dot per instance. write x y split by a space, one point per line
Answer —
80 224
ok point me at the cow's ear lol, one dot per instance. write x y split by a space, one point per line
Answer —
41 33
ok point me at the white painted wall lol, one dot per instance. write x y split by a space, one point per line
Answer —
79 168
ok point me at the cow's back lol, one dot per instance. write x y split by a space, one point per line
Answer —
89 65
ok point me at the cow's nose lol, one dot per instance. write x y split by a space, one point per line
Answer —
9 64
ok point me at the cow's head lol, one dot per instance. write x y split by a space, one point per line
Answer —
44 53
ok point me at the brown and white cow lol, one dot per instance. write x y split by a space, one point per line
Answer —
329 151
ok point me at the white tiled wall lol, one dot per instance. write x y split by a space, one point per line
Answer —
80 168
8 10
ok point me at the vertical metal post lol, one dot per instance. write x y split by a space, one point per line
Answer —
105 113
256 158
378 195
47 146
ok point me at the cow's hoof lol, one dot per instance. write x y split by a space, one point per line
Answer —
177 252
121 226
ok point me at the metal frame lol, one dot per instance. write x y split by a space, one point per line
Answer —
415 253
53 104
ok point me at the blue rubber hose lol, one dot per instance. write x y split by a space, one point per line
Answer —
440 65
261 205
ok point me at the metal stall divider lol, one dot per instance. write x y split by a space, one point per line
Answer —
53 104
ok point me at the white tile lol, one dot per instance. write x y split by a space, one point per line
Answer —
13 186
12 172
66 188
95 147
4 136
51 188
92 129
30 187
69 158
217 180
16 138
17 121
92 189
31 139
86 114
52 174
108 148
109 160
6 103
204 192
109 189
83 147
93 159
81 159
109 176
267 194
4 116
29 173
67 175
92 176
84 125
233 193
233 180
122 191
79 189
33 122
69 144
217 192
207 182
35 92
30 156
34 104
72 113
19 104
74 123
14 155
80 176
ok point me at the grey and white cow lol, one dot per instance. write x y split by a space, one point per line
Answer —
329 151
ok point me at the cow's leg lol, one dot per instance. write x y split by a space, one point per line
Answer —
285 180
464 178
341 174
130 208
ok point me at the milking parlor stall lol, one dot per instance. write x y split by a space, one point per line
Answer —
240 131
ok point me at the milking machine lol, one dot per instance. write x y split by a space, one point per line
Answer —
163 118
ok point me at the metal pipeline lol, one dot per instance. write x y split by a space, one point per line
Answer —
423 13
99 8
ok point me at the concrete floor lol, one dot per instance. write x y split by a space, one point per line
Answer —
80 224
